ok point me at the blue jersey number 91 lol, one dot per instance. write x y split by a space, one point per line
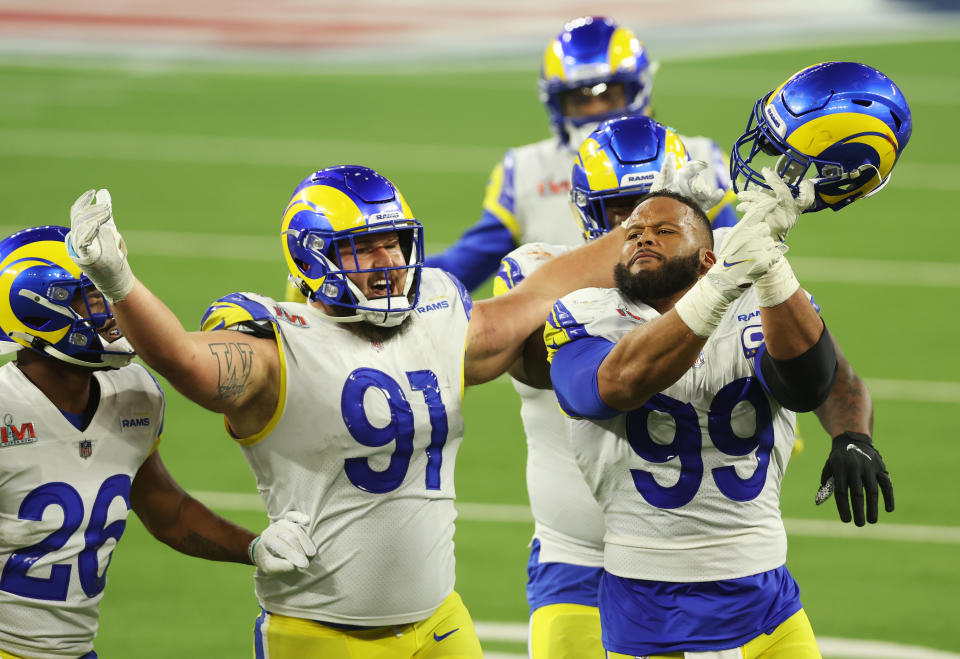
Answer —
400 430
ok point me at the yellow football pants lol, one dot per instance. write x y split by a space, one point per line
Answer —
565 631
447 634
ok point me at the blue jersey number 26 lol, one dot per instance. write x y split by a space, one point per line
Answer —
686 445
400 429
53 587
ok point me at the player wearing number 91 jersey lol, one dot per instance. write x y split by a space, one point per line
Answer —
371 464
348 406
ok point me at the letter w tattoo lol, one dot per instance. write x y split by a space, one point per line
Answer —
235 361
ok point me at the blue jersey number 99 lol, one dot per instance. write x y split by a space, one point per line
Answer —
687 440
400 429
53 587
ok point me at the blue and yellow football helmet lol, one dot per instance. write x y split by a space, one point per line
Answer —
330 210
594 53
847 121
617 164
38 283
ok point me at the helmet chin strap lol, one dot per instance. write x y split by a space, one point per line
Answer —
379 318
121 355
380 314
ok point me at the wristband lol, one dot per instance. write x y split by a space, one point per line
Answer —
703 306
778 284
250 549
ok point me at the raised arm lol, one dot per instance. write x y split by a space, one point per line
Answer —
180 521
657 353
225 371
500 326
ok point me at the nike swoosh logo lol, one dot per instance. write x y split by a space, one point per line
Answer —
440 638
727 264
853 447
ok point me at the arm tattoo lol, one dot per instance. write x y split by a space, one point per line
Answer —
849 406
235 362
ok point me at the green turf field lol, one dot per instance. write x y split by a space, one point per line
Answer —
201 164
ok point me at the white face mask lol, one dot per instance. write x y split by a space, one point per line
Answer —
576 135
118 353
386 318
374 316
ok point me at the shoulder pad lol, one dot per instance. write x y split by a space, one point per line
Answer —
569 317
246 312
440 289
600 312
519 263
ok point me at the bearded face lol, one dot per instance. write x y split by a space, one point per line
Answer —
673 275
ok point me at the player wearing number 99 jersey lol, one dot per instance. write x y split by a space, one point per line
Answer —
684 391
348 406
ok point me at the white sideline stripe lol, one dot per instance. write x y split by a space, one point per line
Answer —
918 391
228 247
288 152
519 513
246 151
874 272
831 647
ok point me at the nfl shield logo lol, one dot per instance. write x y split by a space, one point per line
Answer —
86 448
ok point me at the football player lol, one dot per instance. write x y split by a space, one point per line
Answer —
81 427
592 71
348 406
684 380
628 158
621 162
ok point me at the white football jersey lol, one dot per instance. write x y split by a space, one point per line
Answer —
537 207
364 441
539 203
568 521
690 482
64 500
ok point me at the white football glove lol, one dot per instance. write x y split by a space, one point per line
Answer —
777 206
747 253
97 247
692 180
284 546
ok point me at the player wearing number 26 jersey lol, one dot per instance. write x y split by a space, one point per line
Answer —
58 480
80 429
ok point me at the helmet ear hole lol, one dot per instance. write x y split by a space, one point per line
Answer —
34 322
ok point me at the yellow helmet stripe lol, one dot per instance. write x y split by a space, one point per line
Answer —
553 62
817 135
623 49
597 166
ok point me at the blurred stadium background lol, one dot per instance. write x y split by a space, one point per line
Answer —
201 118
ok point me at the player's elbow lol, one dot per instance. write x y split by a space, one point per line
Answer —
624 387
801 384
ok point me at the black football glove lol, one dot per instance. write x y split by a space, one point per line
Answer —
854 465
